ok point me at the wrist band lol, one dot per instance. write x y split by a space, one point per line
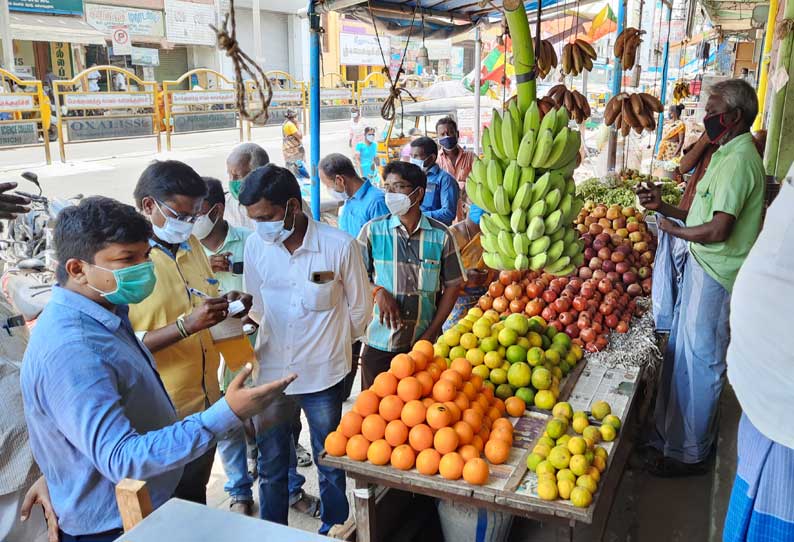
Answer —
376 290
180 326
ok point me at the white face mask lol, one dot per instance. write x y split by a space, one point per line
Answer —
398 204
418 162
339 196
173 231
204 224
371 138
274 233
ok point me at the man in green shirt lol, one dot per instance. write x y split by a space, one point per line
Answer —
721 227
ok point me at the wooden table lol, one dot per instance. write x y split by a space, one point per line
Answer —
183 521
511 488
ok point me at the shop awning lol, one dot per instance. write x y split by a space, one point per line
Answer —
32 27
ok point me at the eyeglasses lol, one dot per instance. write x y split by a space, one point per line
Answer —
398 187
189 218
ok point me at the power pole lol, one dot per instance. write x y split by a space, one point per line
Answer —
5 36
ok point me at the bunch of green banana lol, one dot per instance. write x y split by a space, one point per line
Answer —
524 184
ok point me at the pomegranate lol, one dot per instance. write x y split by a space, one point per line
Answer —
486 302
500 304
496 289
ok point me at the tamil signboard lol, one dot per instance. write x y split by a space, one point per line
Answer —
335 94
16 134
108 127
16 102
362 50
374 93
281 96
55 7
141 23
200 122
61 56
145 56
196 97
106 100
188 23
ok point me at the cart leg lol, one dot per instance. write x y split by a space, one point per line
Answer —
565 532
364 494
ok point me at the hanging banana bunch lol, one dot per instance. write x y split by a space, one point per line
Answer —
572 100
680 91
577 57
546 59
632 111
626 47
545 105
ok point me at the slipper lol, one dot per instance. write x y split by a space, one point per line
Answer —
665 467
304 457
306 504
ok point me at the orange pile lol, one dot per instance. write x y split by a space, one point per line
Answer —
424 414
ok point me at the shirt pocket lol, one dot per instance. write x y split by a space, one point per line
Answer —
321 297
429 275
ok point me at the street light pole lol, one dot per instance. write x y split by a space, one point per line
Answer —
5 36
314 104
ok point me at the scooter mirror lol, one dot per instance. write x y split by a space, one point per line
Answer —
32 177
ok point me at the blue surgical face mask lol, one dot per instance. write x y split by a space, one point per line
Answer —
133 284
274 233
173 231
418 162
371 138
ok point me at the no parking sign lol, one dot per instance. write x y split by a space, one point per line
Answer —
121 41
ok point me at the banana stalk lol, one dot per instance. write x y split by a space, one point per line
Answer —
782 109
523 52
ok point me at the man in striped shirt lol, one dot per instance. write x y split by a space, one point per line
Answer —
415 268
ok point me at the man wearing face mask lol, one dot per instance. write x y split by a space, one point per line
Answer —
411 259
366 154
311 298
720 229
441 197
243 159
454 159
174 320
356 128
95 404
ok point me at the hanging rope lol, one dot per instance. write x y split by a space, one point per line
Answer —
227 41
389 109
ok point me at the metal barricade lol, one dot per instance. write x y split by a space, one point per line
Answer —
24 113
288 93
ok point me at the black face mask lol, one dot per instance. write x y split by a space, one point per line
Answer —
716 126
449 142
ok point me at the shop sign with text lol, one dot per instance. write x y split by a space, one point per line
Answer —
108 128
200 122
18 133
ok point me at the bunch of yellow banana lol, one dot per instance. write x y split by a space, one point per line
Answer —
524 183
546 59
681 91
574 101
626 46
577 57
637 111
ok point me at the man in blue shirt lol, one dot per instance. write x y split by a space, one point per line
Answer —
96 408
441 196
363 202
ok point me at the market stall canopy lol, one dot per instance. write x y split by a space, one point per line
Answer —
32 27
443 98
732 16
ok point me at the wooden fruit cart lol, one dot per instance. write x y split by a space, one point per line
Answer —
511 487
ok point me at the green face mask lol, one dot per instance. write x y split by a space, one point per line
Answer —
133 284
235 187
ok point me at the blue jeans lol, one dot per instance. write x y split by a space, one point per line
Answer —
323 411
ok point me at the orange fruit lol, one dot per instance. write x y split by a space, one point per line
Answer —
462 366
493 413
464 431
373 427
453 376
444 390
420 360
476 381
468 451
403 457
488 392
427 461
504 423
367 403
515 406
379 452
396 433
470 390
335 443
351 424
462 401
390 407
445 440
426 380
409 389
475 471
478 443
485 403
425 347
454 411
500 405
420 437
384 384
357 447
497 451
502 433
402 365
413 413
441 363
434 371
484 433
451 466
438 416
477 407
428 402
473 418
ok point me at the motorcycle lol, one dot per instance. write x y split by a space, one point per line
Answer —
28 254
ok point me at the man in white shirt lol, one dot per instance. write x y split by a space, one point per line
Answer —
243 159
312 297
